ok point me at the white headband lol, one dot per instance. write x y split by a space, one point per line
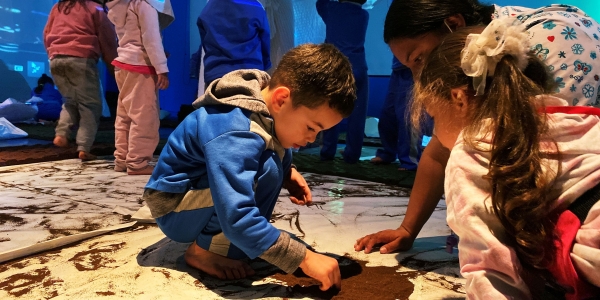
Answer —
482 52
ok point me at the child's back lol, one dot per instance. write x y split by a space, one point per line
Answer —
235 35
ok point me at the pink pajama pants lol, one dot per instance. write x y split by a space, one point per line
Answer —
137 121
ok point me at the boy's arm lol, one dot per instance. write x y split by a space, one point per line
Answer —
150 29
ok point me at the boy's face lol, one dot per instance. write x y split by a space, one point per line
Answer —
296 127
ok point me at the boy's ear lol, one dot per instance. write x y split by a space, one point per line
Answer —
460 101
455 21
280 96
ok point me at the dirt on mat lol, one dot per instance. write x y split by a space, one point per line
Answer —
41 153
358 282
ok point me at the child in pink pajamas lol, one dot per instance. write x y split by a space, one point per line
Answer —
522 183
140 70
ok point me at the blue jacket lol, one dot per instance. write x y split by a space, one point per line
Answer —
235 35
50 108
346 28
225 146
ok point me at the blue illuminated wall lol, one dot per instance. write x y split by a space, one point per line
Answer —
23 57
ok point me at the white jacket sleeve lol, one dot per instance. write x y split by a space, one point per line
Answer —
490 267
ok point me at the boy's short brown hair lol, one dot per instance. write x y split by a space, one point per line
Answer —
315 75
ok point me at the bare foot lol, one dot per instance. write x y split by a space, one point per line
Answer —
378 161
61 141
86 155
215 264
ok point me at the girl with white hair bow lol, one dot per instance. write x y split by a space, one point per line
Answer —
522 182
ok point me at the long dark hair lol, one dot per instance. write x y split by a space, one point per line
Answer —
520 183
411 18
41 82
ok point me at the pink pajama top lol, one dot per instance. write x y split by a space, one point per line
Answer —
492 268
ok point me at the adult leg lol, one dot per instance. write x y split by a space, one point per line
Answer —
330 142
407 148
388 123
356 121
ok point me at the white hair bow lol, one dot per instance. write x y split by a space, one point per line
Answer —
482 52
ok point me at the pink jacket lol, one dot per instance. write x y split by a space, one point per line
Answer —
138 24
492 268
84 32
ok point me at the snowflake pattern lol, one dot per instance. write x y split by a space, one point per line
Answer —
549 25
588 91
572 57
577 49
539 51
569 33
575 101
560 83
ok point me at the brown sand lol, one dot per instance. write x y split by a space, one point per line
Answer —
358 282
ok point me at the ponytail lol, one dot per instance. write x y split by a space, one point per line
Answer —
520 186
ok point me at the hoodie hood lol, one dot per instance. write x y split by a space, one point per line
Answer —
117 11
241 88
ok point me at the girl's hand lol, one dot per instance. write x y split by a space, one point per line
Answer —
298 188
322 268
163 81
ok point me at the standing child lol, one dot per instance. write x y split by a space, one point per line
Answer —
76 35
235 35
523 179
141 70
346 28
220 174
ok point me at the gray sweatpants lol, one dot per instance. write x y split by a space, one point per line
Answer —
78 81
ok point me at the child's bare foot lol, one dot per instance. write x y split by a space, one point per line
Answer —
61 141
86 155
215 264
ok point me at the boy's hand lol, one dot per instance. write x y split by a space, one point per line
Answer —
298 188
163 81
322 268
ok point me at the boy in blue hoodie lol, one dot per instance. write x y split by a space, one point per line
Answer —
219 175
